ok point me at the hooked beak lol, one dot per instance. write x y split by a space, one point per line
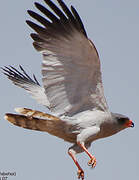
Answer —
130 124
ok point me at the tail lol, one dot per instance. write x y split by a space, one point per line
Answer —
39 121
31 85
35 120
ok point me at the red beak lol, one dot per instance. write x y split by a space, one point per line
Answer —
130 124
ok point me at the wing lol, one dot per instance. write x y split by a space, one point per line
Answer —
23 80
71 66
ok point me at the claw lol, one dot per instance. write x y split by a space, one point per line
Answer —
92 162
80 174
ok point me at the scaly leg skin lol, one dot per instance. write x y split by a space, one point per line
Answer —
80 172
92 161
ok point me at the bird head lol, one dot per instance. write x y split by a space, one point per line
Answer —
123 121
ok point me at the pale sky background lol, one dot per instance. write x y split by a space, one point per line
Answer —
114 28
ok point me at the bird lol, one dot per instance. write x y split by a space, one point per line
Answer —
72 87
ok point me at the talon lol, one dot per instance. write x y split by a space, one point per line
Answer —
92 162
80 174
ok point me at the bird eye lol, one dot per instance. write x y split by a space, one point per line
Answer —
122 120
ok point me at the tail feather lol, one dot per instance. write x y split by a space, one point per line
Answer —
39 121
36 114
31 122
36 120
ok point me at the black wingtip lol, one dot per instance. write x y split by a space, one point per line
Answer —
21 67
29 12
28 22
2 69
76 15
38 5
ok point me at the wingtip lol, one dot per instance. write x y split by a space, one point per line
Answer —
36 4
29 12
28 21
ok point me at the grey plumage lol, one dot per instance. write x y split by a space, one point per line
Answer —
72 83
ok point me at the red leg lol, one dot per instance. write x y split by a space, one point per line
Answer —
92 161
80 171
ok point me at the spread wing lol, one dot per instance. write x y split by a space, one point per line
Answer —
71 66
31 85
